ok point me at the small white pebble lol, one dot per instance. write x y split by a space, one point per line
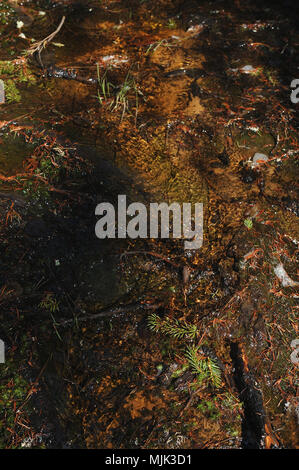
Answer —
258 158
247 69
283 276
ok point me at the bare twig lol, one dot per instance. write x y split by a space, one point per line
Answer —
110 312
40 45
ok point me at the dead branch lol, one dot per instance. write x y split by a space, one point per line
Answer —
110 312
39 46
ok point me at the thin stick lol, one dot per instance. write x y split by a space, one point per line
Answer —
40 45
110 312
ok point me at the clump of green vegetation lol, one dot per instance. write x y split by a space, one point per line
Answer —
122 99
12 74
155 45
36 192
6 67
7 13
12 94
14 395
49 169
105 87
13 392
231 402
45 166
271 76
120 94
51 166
177 373
209 408
171 24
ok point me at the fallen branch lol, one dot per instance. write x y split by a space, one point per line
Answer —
109 312
58 72
39 46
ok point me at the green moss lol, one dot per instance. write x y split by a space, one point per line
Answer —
210 409
6 67
171 24
36 193
13 392
12 94
13 74
177 373
27 77
7 13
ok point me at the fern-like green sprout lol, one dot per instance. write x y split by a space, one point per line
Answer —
174 328
206 369
49 303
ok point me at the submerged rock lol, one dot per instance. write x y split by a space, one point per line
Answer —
283 276
258 159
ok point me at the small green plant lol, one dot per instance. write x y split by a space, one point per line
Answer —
12 94
206 369
37 192
171 24
7 13
51 165
49 303
105 86
155 45
122 96
209 408
248 223
121 93
271 77
177 373
19 70
174 328
6 67
231 402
